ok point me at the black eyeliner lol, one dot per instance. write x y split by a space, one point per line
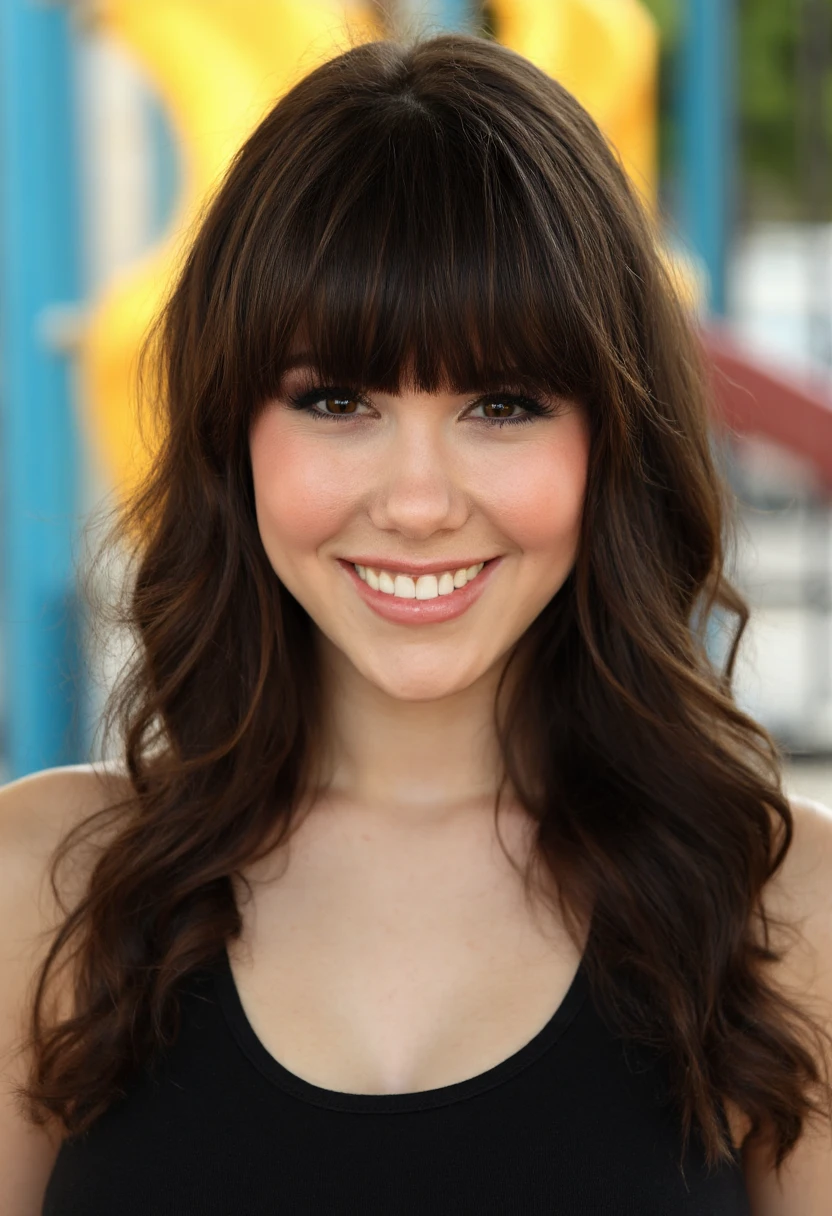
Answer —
303 402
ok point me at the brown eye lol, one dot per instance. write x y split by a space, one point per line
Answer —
498 409
327 403
501 408
339 404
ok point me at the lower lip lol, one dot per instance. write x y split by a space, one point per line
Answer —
422 612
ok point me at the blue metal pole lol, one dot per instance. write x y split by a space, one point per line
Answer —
706 110
453 14
40 626
165 167
438 14
708 136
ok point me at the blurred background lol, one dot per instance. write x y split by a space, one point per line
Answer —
117 118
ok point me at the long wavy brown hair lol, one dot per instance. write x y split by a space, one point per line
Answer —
438 208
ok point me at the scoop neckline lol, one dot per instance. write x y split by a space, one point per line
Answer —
277 1074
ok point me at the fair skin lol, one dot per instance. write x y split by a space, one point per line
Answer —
417 477
397 904
398 889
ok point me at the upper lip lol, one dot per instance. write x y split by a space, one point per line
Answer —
414 567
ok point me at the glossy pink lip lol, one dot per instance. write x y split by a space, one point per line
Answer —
422 612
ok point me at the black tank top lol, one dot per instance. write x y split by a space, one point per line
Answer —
576 1123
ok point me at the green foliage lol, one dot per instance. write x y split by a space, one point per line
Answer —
766 95
668 17
767 99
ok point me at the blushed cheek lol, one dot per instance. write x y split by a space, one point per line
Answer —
302 498
538 501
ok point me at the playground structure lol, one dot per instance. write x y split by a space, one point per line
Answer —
217 67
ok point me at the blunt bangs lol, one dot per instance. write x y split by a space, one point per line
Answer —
416 254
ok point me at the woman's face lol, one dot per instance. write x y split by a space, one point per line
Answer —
398 483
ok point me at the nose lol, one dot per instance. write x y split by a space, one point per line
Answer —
419 487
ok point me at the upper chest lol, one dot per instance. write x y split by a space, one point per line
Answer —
379 961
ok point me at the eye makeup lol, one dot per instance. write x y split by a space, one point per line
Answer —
306 401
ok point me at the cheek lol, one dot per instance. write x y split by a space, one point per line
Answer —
305 490
538 500
300 491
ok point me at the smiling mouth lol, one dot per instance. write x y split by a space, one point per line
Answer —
418 587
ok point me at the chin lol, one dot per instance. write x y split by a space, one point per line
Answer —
428 690
425 684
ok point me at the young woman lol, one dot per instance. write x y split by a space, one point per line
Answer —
440 872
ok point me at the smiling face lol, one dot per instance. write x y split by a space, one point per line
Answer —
403 481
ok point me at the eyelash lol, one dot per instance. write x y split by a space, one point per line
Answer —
305 401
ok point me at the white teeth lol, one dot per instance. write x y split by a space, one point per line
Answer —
427 587
423 587
404 587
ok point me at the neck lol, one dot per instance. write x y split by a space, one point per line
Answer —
410 760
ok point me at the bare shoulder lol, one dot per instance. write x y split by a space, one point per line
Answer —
36 812
70 786
800 897
801 885
42 805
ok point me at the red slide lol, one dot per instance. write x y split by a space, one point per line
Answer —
753 399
